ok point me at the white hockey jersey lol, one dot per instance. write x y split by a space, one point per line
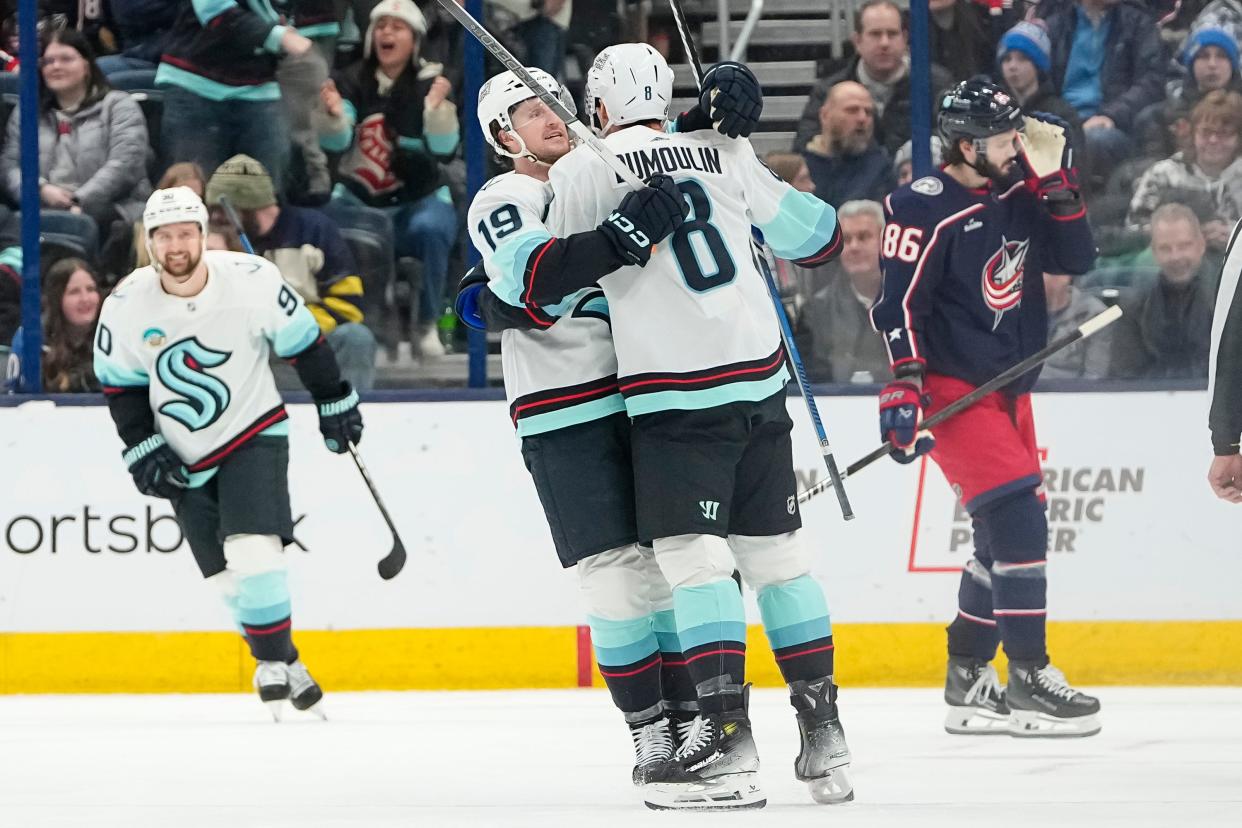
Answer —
695 327
204 358
556 376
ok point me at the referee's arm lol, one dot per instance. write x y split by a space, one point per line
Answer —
1225 378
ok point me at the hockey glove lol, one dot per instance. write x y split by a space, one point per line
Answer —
901 414
1047 158
156 468
467 304
646 217
730 101
340 421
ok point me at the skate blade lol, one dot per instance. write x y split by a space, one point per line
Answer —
730 792
975 721
276 708
1030 724
317 710
833 789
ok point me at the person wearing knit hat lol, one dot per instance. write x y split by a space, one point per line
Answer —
1031 39
1211 57
1023 57
312 256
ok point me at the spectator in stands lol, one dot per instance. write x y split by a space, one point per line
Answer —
791 167
1108 62
835 335
1165 331
844 160
1069 307
961 39
391 117
542 26
219 75
143 27
222 236
300 78
10 279
1219 14
903 162
1211 61
1024 57
312 256
71 301
882 64
183 174
92 139
1213 169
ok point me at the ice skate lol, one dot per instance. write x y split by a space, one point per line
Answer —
653 746
271 680
716 768
975 698
304 692
1042 704
823 762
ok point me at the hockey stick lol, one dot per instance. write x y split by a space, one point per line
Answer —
395 560
791 348
1086 329
572 122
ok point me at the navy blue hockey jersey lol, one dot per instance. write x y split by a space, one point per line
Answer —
963 276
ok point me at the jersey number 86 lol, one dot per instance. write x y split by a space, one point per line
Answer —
901 242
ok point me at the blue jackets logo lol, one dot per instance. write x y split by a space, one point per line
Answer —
182 369
1002 278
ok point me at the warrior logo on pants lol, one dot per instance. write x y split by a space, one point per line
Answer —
182 369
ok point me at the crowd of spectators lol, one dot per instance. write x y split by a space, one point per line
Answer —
335 129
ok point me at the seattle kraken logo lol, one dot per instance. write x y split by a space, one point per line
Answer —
181 367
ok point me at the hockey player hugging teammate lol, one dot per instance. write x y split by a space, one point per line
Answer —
963 256
702 371
182 353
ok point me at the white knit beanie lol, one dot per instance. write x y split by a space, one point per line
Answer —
403 10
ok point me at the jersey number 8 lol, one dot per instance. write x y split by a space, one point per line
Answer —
698 235
902 243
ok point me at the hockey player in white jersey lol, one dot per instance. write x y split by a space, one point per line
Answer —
182 354
560 378
702 371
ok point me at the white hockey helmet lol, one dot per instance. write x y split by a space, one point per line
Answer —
634 81
173 205
501 94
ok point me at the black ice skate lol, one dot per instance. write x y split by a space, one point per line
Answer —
716 768
975 698
304 692
271 680
1042 704
823 763
653 746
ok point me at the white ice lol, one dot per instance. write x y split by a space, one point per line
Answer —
1166 757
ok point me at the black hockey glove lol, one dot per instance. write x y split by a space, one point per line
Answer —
646 217
730 101
340 421
156 468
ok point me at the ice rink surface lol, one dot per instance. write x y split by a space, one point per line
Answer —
1166 757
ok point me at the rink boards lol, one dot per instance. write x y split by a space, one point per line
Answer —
97 592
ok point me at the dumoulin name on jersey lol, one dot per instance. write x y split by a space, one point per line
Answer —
963 269
695 327
204 358
564 371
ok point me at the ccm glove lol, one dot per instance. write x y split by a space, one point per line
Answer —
340 421
646 217
901 413
730 101
156 468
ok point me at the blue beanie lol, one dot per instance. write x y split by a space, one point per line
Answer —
1031 39
1211 36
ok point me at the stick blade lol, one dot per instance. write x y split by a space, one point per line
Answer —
392 565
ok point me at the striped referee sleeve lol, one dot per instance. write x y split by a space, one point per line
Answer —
1225 366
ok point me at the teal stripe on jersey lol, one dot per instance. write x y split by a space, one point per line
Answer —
12 256
208 10
272 42
755 391
618 643
597 305
320 30
281 429
803 225
297 335
794 612
340 141
199 478
118 376
709 612
708 633
406 142
510 259
442 143
575 415
264 598
169 75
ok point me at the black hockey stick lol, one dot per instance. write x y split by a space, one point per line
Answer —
1086 329
395 560
791 347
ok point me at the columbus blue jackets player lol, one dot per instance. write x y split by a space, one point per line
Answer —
963 254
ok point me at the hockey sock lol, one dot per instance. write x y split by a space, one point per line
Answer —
677 687
711 625
629 660
1017 529
795 617
263 609
973 633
